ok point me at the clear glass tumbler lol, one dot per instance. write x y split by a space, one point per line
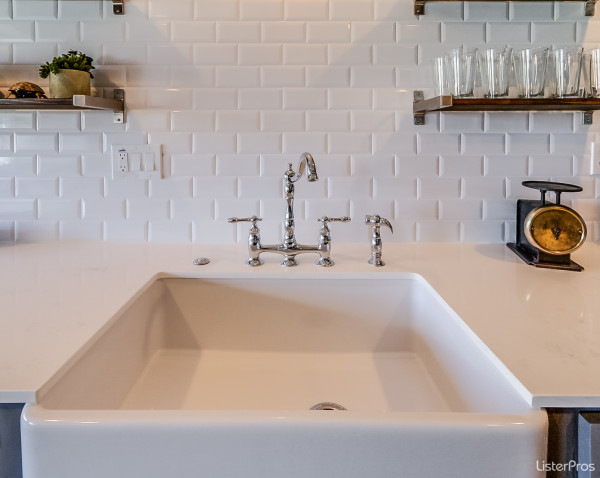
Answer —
461 64
591 72
494 68
564 71
530 71
441 81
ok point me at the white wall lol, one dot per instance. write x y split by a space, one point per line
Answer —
236 89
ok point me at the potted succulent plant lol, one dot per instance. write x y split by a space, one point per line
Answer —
69 74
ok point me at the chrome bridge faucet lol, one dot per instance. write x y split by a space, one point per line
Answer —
290 248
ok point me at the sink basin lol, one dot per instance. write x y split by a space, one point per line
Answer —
216 377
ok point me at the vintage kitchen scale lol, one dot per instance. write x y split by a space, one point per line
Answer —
547 233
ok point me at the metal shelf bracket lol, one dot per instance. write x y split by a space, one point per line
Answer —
119 116
418 117
118 7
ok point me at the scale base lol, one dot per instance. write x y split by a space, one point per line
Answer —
532 257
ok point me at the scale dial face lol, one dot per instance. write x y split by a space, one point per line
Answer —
555 229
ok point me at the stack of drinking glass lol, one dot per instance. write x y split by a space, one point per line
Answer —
534 72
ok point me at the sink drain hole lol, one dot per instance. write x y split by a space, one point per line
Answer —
327 406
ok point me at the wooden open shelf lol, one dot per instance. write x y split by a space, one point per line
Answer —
78 102
449 103
419 5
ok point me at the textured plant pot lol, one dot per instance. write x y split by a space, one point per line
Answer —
68 83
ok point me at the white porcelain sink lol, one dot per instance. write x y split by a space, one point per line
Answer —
216 377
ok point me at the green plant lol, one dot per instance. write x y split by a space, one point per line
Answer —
72 60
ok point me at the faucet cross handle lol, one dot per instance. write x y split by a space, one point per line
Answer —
251 219
253 238
376 222
326 219
324 246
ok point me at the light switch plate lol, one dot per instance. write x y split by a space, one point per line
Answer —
137 160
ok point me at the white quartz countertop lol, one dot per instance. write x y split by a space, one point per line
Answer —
544 325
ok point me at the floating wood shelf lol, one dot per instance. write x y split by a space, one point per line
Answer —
78 102
419 5
450 103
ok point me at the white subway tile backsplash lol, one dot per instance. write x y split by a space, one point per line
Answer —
328 76
65 31
59 209
261 10
31 188
237 77
506 165
31 142
63 166
6 9
34 9
328 32
259 143
309 54
552 165
260 54
508 32
17 120
534 143
288 121
355 54
470 33
192 120
58 121
17 31
300 142
553 33
394 54
236 121
305 98
356 142
461 209
374 121
33 53
505 122
532 11
23 166
491 143
169 231
233 90
7 188
181 9
216 9
237 165
306 9
238 32
419 33
283 32
484 188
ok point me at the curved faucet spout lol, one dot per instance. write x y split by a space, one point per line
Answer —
306 161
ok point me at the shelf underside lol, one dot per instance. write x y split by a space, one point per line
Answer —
77 102
449 103
419 5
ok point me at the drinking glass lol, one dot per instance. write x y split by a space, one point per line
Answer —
591 72
441 82
494 68
564 71
461 64
530 71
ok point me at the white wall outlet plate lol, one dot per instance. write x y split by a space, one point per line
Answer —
137 160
